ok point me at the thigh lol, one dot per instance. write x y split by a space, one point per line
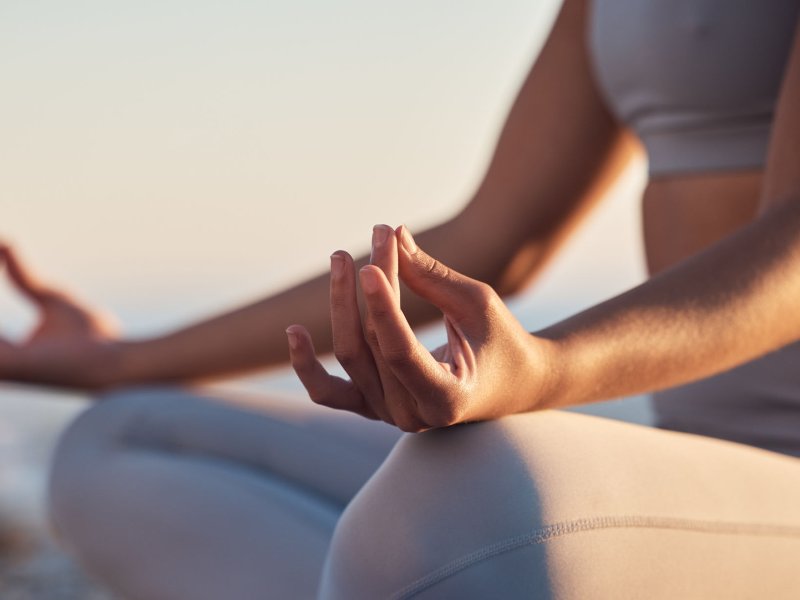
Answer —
330 453
166 494
567 506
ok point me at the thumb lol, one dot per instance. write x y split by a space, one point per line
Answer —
456 295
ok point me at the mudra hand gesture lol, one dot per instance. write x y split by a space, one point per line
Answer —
489 367
72 344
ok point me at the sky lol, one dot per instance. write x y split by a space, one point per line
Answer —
173 158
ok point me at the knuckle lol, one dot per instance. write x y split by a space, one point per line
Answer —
304 368
432 269
409 428
372 337
440 421
300 367
444 415
436 422
484 296
408 423
347 357
399 358
320 399
380 312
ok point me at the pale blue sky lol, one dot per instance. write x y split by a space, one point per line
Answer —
169 158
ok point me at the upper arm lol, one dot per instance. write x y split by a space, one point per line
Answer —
782 174
558 142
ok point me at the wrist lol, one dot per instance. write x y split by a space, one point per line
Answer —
555 373
107 368
127 365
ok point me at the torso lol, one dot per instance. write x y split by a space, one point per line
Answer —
697 80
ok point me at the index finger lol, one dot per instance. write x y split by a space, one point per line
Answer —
408 359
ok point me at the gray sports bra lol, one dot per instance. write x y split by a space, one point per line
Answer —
696 79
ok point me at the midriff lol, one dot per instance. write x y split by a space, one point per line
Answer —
684 214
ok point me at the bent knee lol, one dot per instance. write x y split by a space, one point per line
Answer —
116 414
91 442
446 501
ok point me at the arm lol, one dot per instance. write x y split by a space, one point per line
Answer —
526 203
559 149
723 307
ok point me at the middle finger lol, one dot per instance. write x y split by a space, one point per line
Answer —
396 397
349 345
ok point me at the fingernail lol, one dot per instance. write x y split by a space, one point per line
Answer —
380 233
292 338
407 241
368 280
337 265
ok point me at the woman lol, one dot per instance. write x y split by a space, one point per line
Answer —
164 494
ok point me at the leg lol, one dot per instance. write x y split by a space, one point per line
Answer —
167 495
566 506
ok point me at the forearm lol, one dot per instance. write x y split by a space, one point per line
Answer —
487 246
558 152
727 305
253 337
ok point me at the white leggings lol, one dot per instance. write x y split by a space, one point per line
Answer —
167 495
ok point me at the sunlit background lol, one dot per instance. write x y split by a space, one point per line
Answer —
171 159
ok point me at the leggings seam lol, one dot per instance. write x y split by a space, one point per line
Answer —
544 534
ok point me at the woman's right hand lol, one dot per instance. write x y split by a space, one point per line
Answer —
72 344
489 367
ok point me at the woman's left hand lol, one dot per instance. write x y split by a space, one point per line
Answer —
72 345
489 367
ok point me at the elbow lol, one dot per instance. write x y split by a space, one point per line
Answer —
506 260
788 204
520 267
